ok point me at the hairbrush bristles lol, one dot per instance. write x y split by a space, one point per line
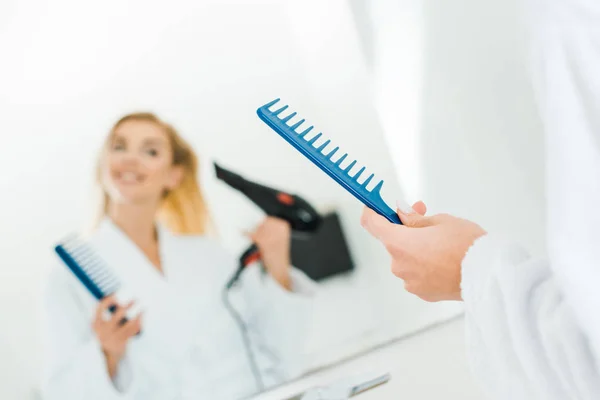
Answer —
88 267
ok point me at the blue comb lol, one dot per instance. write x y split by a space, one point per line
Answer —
88 267
324 161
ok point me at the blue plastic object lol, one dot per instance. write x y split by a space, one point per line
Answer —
324 161
88 267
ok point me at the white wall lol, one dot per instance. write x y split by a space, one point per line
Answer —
482 141
452 87
74 67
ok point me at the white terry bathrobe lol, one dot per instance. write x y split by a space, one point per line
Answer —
533 326
190 347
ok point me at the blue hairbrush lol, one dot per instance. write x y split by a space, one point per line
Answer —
89 268
299 140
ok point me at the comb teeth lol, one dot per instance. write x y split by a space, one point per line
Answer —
282 109
306 131
296 125
313 140
358 174
342 158
286 119
272 103
316 154
365 183
377 188
322 147
349 167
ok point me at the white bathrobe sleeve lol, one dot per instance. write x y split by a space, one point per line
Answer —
533 326
75 364
278 320
522 338
565 65
75 367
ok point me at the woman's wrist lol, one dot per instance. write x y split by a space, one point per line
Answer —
112 362
282 276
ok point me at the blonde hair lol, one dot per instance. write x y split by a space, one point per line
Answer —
183 210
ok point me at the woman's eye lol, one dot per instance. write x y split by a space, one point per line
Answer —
152 152
118 146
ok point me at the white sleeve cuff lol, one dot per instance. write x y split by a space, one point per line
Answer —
255 281
119 388
123 381
483 257
301 283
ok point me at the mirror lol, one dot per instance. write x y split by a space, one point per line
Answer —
205 67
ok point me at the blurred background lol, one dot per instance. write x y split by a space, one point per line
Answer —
419 91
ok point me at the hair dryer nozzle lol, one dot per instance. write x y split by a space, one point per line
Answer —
292 208
229 177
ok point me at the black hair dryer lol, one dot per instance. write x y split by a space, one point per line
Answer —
301 216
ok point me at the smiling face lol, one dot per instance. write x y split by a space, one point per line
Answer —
137 166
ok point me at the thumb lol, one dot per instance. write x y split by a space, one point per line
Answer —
420 208
411 218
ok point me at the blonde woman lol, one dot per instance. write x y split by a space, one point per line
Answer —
152 234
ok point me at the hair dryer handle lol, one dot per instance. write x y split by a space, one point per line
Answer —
251 255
